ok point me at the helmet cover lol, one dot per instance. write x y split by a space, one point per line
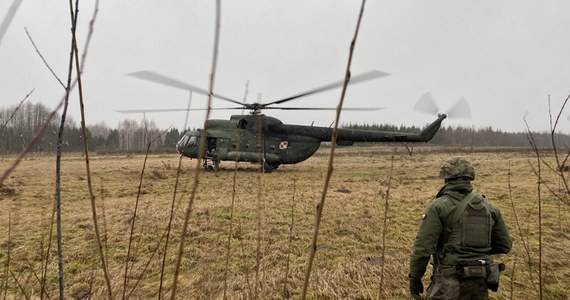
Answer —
457 167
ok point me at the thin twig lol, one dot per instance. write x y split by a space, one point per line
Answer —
135 211
154 252
321 205
133 221
560 163
201 148
524 241
538 188
22 290
232 207
231 229
169 226
78 69
172 205
35 274
7 271
290 245
43 59
58 159
47 254
385 227
259 206
512 282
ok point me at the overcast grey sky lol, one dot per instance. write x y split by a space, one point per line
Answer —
504 57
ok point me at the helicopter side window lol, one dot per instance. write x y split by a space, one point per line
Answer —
242 124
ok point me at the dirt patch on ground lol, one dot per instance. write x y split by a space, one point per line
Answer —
7 191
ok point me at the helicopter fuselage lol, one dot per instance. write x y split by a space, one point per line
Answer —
260 138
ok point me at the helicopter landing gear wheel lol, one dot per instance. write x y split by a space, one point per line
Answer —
267 168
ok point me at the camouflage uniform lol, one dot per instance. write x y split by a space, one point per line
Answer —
441 237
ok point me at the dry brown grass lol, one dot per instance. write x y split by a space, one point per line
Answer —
348 261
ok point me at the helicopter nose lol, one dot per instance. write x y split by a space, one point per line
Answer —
180 146
182 143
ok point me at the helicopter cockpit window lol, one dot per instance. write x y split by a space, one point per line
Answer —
183 141
193 141
242 123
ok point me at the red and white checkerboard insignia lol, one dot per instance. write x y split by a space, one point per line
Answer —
283 145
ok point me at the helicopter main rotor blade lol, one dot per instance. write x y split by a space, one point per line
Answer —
133 111
328 108
355 79
161 79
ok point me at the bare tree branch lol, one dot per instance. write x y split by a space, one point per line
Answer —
43 59
15 111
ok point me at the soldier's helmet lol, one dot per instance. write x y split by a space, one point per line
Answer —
457 167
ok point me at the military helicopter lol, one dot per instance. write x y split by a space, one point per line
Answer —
262 139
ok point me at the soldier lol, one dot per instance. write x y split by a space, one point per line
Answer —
460 229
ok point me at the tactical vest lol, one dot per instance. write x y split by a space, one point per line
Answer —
471 223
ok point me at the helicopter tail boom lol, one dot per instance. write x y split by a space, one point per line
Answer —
349 136
427 133
423 136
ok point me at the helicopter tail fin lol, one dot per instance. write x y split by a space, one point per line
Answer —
428 133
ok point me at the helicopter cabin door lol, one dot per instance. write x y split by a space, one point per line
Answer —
211 147
218 146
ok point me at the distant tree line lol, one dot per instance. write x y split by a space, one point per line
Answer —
18 125
481 137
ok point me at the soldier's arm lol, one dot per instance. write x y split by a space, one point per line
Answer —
426 242
500 238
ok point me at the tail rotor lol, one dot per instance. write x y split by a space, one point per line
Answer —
427 104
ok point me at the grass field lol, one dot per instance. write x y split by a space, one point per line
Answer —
272 221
